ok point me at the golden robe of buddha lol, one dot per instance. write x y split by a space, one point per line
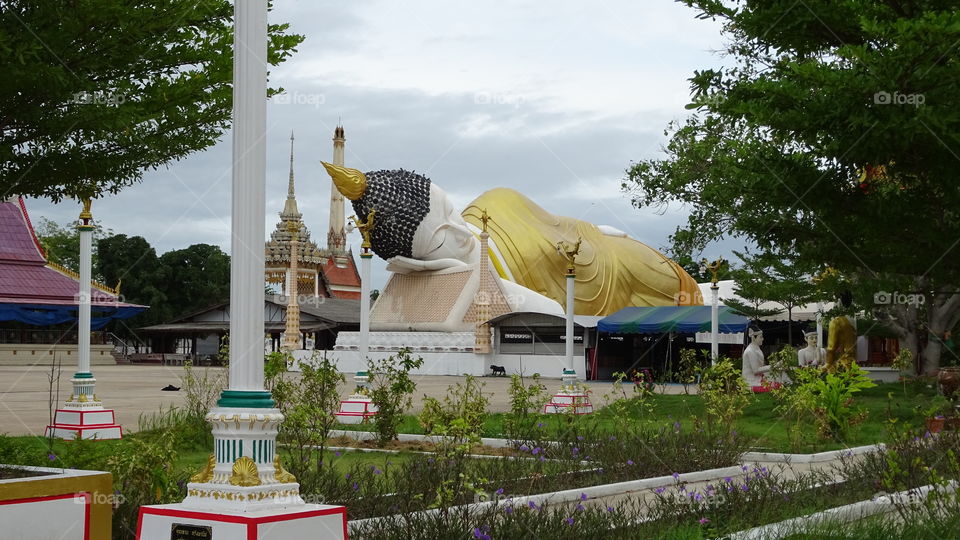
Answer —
613 271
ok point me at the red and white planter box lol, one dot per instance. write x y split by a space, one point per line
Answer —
569 403
306 522
88 424
355 410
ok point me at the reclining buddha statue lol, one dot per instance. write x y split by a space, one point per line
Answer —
418 229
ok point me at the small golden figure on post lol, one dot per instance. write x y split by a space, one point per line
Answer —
365 227
714 268
569 253
484 217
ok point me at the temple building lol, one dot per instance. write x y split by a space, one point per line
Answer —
39 299
330 272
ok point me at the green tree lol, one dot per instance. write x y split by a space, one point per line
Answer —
772 277
831 136
97 91
133 263
62 244
194 278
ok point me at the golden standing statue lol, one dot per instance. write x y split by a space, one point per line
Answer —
365 227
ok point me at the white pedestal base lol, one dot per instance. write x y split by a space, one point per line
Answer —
356 409
309 521
92 423
571 402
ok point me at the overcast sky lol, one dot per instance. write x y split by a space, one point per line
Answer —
554 99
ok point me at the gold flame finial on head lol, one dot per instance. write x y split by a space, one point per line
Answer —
350 182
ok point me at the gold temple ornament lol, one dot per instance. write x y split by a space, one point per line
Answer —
205 474
365 228
350 182
244 473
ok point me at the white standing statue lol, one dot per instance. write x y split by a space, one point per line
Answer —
811 355
754 366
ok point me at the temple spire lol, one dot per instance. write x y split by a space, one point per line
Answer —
290 207
337 234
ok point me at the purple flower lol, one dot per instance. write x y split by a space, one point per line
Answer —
745 488
337 453
609 509
532 504
583 496
499 491
728 480
629 462
356 486
536 451
51 456
523 448
676 426
346 476
659 490
508 510
697 497
579 437
581 508
377 471
569 521
477 533
542 458
704 521
676 476
575 451
744 468
539 424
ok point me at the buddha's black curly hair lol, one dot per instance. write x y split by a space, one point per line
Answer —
401 200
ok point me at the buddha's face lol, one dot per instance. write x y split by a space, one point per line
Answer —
811 340
443 234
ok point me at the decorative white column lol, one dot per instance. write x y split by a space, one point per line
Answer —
83 414
365 256
365 228
243 478
484 296
714 322
291 334
569 339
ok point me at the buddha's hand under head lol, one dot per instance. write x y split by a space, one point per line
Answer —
406 265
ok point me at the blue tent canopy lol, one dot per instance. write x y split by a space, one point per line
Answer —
50 314
664 319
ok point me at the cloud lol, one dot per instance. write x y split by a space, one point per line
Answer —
553 100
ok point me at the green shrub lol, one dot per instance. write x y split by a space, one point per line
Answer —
390 391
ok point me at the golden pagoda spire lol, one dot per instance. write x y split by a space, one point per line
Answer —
290 207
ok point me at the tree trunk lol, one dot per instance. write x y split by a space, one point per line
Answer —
790 325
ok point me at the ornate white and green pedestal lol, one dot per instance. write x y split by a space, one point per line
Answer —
243 493
83 415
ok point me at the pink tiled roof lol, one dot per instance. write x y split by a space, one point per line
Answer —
31 283
24 276
17 241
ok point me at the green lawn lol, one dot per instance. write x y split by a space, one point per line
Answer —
760 422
